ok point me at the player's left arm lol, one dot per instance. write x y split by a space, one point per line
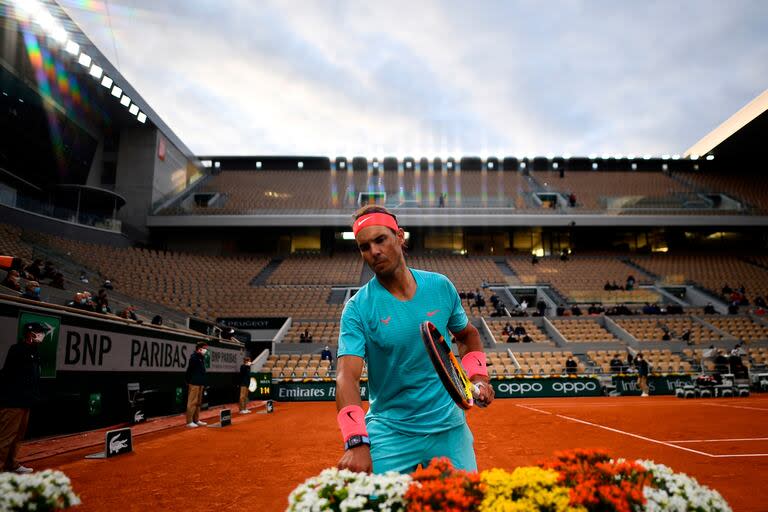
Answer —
468 340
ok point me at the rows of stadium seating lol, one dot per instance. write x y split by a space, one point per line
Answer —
531 329
753 191
532 363
582 278
710 271
661 360
652 329
322 332
583 331
297 365
315 269
591 188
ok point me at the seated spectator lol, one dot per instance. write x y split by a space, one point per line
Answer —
305 337
470 297
101 296
77 302
607 286
35 269
494 299
733 308
326 354
89 301
479 300
541 307
666 336
709 309
519 329
686 337
527 339
157 320
564 255
507 330
129 313
571 366
616 364
13 280
560 311
57 281
630 285
48 270
512 338
674 309
108 285
103 307
726 290
615 286
32 291
485 284
576 310
524 306
83 277
572 200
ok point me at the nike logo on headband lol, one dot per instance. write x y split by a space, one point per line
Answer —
361 221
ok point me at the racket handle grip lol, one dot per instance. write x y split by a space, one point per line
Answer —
475 392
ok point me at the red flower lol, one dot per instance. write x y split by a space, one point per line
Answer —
440 487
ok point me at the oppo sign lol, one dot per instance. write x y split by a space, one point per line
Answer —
518 388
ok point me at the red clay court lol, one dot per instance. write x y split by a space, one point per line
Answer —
255 463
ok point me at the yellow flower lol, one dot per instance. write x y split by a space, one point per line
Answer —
526 489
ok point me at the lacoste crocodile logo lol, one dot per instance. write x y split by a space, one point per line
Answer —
139 416
385 321
116 444
433 313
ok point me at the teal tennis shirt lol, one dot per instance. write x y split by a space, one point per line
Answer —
404 390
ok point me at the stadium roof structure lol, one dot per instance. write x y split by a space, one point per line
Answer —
11 17
741 135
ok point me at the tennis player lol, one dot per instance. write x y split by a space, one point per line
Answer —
411 418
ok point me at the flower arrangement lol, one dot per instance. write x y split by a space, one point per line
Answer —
440 487
347 491
572 481
43 491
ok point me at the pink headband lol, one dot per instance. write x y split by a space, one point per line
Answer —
374 219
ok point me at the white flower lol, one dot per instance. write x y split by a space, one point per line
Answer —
678 492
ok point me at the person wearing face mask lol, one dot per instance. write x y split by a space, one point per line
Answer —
13 280
32 291
195 378
19 390
245 381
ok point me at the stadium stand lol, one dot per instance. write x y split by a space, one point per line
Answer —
531 329
740 327
316 269
583 331
653 329
582 279
753 192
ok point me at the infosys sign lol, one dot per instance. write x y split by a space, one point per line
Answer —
546 387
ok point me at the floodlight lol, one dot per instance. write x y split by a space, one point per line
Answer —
72 48
84 60
631 157
300 165
694 157
106 82
665 157
490 165
348 235
125 101
450 165
142 117
258 165
96 71
566 156
647 157
634 166
134 109
117 92
555 165
675 157
217 165
58 34
342 164
592 156
710 157
594 166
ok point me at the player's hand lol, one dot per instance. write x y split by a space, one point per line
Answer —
485 394
357 459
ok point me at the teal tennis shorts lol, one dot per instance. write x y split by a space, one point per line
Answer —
396 451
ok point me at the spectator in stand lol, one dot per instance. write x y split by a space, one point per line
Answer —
102 300
760 301
572 200
19 391
686 337
157 320
13 280
607 286
616 364
83 277
195 378
527 339
576 310
89 301
32 291
129 313
534 259
508 329
733 308
541 307
564 255
57 281
630 285
709 309
305 337
726 290
560 311
571 366
108 285
512 338
35 269
666 336
494 300
642 373
48 271
519 329
326 354
479 300
245 381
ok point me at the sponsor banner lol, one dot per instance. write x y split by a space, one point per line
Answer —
657 384
225 417
546 387
119 442
315 391
310 391
83 349
253 324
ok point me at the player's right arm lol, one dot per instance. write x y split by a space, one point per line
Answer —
349 408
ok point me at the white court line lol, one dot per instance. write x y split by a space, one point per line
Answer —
737 406
656 441
720 440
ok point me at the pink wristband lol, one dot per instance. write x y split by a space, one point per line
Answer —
474 364
352 422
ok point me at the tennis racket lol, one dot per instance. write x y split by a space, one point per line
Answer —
452 375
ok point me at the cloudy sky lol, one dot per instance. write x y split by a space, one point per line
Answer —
436 78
